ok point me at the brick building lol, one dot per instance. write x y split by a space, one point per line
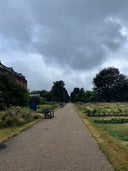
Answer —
18 76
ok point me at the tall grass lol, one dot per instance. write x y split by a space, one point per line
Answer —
118 131
15 116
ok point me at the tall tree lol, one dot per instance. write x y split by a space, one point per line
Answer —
89 96
77 95
12 92
59 93
110 85
46 95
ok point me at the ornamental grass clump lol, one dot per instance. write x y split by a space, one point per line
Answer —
15 116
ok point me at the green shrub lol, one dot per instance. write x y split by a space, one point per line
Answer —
50 106
112 121
15 116
106 109
10 121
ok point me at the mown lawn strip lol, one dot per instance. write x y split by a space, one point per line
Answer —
115 150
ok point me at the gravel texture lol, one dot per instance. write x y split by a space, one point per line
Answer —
59 144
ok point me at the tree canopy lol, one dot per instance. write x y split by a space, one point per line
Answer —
110 85
12 93
59 92
79 95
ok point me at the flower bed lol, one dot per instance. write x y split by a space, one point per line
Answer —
106 109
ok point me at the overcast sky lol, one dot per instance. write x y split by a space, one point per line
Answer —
69 40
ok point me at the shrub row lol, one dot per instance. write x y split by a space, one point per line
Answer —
108 111
112 121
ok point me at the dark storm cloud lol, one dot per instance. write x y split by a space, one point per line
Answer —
74 34
63 31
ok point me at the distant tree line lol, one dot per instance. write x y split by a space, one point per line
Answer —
109 85
57 93
79 95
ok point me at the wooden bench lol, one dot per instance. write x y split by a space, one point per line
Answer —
48 113
61 105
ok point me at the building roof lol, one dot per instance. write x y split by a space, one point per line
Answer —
10 69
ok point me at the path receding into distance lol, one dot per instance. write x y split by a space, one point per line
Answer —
59 144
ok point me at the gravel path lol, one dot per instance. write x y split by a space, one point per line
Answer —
59 144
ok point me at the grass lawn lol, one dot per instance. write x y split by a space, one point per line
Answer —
112 138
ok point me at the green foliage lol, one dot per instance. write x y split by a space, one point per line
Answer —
89 96
12 93
107 117
111 118
112 121
110 85
117 131
46 95
59 93
49 106
105 109
79 95
15 116
116 127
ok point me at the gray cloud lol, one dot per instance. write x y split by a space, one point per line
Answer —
78 35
